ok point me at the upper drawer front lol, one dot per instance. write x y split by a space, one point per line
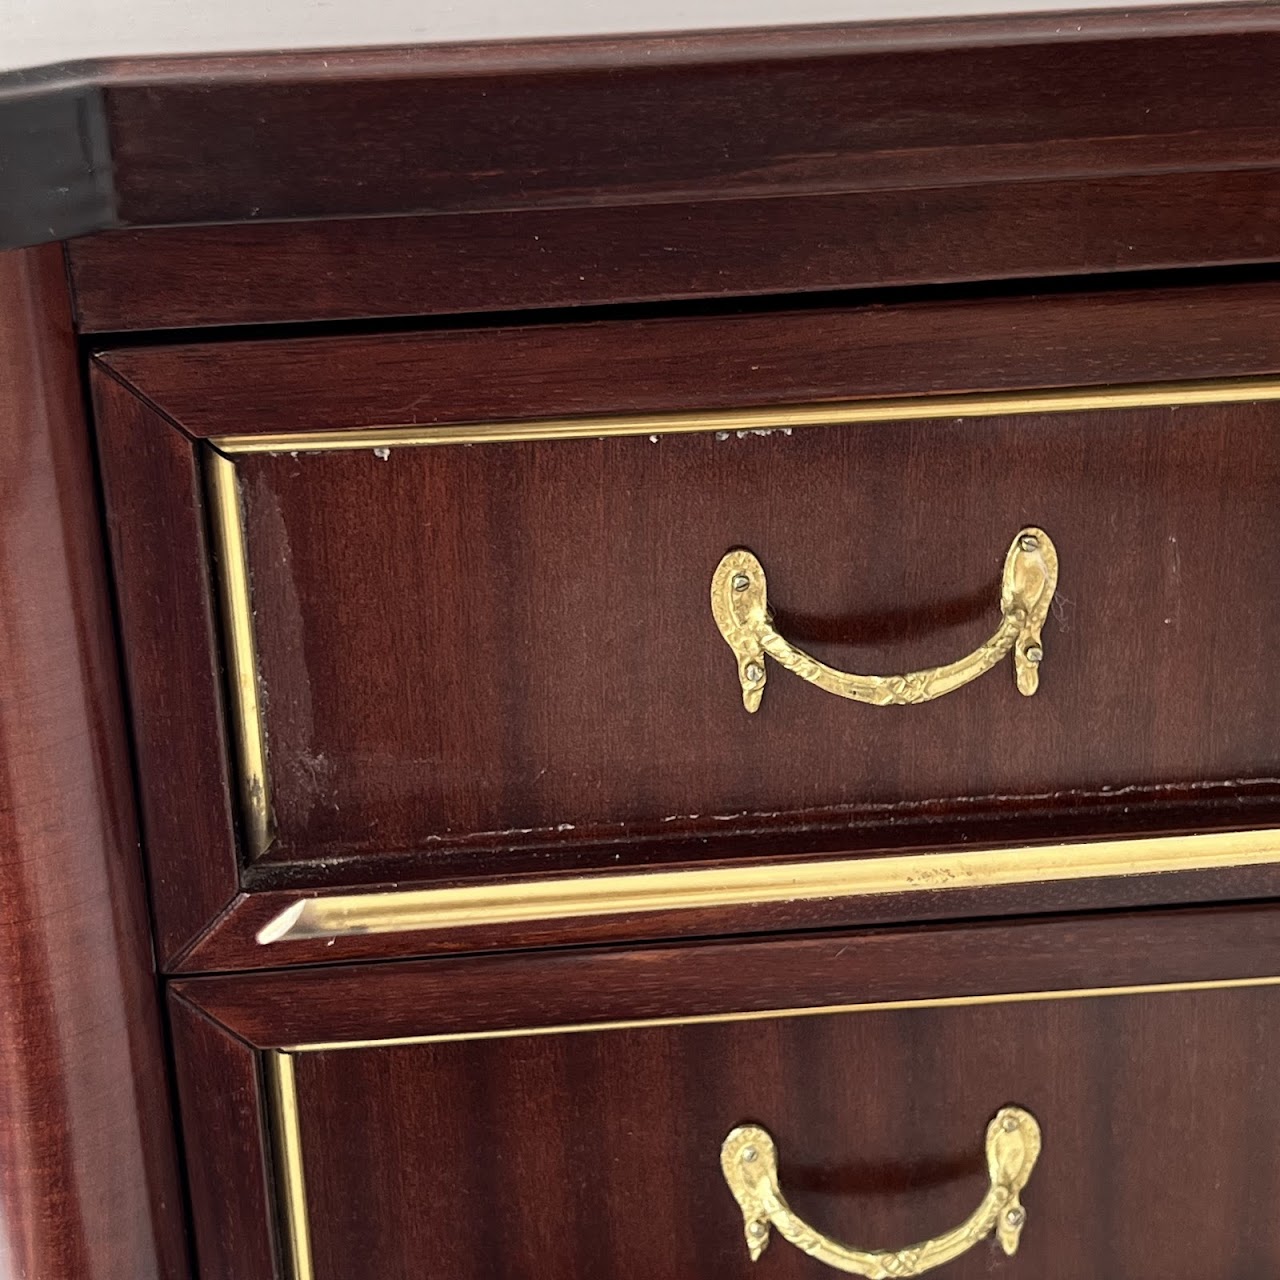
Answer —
492 647
512 644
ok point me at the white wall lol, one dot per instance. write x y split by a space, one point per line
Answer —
33 32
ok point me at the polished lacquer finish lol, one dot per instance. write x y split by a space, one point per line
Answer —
440 591
88 1180
563 1114
177 277
458 648
521 649
643 120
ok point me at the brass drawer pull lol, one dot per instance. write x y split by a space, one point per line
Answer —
740 604
750 1163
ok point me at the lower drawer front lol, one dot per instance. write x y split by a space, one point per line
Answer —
598 1153
561 1114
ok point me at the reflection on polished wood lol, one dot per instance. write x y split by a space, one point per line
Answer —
403 911
88 1185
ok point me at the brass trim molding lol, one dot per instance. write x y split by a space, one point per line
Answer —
291 1186
902 409
231 569
232 572
286 1128
628 893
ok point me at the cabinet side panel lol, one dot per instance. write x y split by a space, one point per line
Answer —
88 1181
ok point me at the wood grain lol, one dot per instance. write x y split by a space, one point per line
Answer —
546 1157
225 1131
510 647
596 1153
155 525
444 264
656 119
519 371
450 996
88 1183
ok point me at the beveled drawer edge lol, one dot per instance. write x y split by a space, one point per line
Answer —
231 571
283 1095
627 893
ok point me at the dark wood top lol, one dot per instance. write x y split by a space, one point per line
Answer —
638 120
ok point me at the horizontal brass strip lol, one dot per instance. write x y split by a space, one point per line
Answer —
628 893
874 1006
907 409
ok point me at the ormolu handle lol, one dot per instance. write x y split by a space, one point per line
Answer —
750 1163
741 607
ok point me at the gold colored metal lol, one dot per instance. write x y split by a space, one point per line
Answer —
785 417
232 572
740 605
629 893
292 1191
749 1160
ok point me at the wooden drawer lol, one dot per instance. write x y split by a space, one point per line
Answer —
564 1115
508 646
456 650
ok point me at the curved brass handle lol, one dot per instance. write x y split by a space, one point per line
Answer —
740 604
750 1163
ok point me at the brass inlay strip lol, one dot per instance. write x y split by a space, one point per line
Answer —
903 409
628 893
815 1011
283 1094
232 572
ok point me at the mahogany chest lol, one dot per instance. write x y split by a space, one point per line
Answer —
645 657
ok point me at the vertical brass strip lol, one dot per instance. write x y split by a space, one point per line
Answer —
291 1185
242 658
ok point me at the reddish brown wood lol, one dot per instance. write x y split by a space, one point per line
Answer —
546 1157
652 119
254 274
155 522
698 362
597 1153
510 647
638 120
350 555
552 988
225 1132
88 1185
